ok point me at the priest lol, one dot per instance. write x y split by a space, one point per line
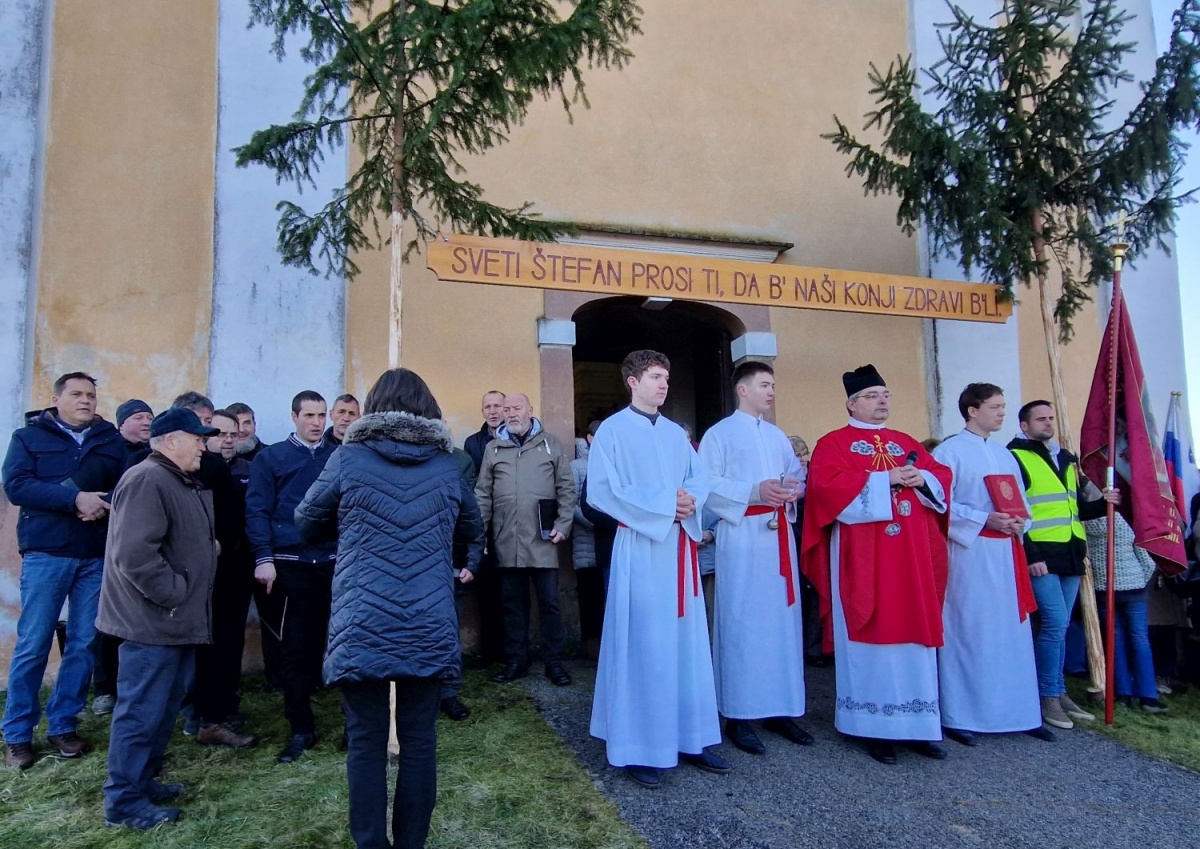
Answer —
758 636
986 670
654 702
874 547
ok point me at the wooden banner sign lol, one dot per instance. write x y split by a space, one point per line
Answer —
604 271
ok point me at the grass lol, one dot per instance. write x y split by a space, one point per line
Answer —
1173 737
504 780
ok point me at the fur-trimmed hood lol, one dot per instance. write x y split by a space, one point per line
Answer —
401 428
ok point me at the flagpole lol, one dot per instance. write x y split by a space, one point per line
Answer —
1110 596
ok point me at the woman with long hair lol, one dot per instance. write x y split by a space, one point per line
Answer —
394 497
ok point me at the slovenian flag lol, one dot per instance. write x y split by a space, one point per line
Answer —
1173 455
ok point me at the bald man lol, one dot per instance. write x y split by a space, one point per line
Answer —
526 494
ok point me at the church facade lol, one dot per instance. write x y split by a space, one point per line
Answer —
133 249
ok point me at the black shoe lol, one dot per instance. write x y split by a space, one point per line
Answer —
510 673
295 748
883 751
454 709
647 776
159 793
145 819
928 749
960 736
743 736
1042 733
707 761
557 675
788 730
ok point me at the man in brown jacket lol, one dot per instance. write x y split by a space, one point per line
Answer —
156 596
527 494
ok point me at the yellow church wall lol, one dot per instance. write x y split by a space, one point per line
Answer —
125 278
125 267
697 134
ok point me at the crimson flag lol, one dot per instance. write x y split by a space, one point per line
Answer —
1147 499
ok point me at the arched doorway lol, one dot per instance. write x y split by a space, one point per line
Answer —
695 337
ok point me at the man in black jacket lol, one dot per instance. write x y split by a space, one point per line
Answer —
486 587
301 572
59 470
1055 547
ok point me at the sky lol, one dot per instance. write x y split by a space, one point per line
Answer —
1187 239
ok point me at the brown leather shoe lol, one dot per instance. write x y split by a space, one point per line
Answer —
217 734
69 745
19 755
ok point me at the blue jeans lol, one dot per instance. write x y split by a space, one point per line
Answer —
1133 662
46 582
151 684
1055 596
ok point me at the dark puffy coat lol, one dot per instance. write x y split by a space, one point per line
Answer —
396 501
45 469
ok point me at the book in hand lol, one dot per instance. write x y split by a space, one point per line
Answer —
1007 495
547 514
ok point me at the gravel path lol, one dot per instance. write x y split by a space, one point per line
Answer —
1012 790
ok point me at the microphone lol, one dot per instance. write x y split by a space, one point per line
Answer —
911 460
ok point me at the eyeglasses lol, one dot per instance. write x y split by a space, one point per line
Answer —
876 396
227 434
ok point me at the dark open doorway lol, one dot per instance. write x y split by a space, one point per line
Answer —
695 337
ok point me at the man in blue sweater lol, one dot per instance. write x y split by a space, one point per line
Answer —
300 572
59 470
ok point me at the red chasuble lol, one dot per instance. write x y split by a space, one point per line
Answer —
893 573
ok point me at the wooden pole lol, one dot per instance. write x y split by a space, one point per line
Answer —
1110 595
1087 591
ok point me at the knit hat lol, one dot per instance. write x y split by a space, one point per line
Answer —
132 407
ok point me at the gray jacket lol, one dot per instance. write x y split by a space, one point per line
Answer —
160 559
512 479
583 540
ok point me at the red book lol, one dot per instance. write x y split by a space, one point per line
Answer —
1006 495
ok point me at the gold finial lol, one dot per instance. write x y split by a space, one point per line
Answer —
1121 247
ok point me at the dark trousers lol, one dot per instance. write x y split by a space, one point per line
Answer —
589 583
452 684
307 590
487 590
152 683
219 666
515 591
365 706
270 612
810 613
104 671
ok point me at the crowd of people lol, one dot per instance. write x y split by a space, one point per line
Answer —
709 575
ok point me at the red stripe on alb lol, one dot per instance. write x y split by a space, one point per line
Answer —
687 546
785 552
1026 601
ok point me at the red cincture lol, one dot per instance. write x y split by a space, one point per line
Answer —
687 546
785 554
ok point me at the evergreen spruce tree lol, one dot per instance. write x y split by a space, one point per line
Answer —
415 84
1024 159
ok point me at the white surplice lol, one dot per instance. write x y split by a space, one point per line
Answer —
885 691
654 694
986 668
758 639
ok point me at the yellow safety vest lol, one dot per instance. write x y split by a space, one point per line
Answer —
1055 507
